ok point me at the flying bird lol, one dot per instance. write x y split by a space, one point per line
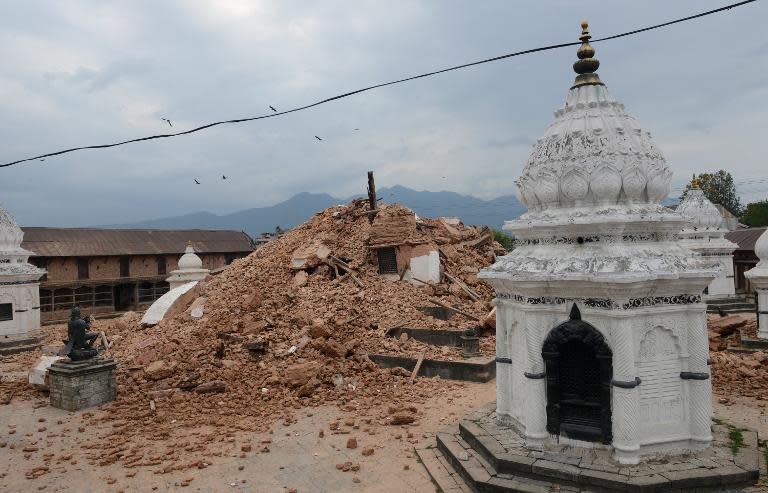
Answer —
223 177
318 138
167 120
272 108
357 129
196 181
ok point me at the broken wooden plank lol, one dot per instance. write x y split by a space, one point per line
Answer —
457 310
367 213
336 262
470 292
417 367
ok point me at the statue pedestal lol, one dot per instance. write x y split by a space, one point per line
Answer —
76 385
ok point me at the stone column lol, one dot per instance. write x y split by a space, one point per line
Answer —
536 385
758 276
697 376
626 394
503 360
762 307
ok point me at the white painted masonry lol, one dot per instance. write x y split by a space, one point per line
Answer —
190 269
19 285
758 276
596 236
705 235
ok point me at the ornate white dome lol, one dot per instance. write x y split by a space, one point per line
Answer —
593 186
13 258
593 153
190 260
759 273
10 233
700 212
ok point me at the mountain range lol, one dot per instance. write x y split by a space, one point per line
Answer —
302 206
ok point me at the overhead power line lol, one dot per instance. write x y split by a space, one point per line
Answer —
377 86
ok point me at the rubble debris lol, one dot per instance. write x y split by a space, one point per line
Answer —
736 373
256 311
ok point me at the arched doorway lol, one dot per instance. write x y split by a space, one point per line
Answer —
579 371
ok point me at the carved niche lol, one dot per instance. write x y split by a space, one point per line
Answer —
659 366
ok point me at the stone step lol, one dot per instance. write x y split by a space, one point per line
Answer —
443 475
19 346
480 369
479 459
482 477
731 311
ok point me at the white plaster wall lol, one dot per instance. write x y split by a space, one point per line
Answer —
665 413
723 285
25 297
425 268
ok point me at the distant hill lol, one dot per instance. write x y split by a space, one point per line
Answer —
300 207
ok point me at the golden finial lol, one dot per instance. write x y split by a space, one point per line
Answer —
694 182
189 242
586 65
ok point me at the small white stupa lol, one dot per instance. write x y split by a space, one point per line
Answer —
19 289
601 335
190 269
758 276
705 235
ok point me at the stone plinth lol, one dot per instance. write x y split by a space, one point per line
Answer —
480 455
76 385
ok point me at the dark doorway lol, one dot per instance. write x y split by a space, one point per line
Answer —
124 296
125 267
579 371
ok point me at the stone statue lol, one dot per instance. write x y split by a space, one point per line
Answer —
79 343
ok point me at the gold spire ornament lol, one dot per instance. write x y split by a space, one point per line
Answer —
694 182
586 65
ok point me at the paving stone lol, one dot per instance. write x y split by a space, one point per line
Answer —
558 470
574 461
690 478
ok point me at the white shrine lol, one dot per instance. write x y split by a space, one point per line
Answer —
758 276
601 332
19 288
190 269
705 235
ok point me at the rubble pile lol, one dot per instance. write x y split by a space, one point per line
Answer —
290 327
736 373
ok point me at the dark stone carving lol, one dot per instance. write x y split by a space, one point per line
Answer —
682 299
79 343
534 376
626 385
689 375
579 371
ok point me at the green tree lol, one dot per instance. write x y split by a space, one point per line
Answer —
756 214
502 238
719 189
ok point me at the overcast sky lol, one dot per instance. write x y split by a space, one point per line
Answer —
78 72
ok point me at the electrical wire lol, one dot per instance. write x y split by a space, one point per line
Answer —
377 86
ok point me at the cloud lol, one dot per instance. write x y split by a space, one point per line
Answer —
78 73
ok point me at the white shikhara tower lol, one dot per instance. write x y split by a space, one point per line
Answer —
19 287
704 235
601 332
